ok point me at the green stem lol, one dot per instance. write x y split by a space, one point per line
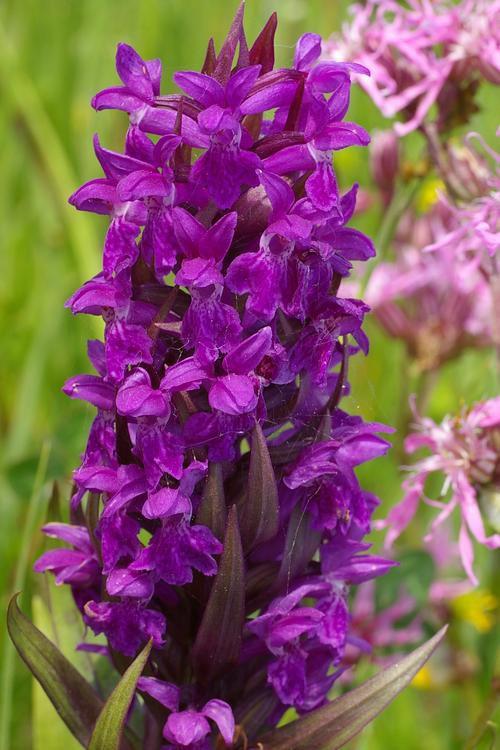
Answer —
421 385
399 205
425 386
483 723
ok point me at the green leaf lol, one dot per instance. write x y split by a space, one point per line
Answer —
108 732
218 641
301 542
73 698
260 510
332 726
54 613
212 510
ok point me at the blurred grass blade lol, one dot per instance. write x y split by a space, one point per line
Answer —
8 664
108 731
50 150
48 731
53 612
332 726
484 725
72 696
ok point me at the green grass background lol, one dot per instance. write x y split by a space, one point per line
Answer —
53 56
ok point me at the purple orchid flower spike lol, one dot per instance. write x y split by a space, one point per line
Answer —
216 510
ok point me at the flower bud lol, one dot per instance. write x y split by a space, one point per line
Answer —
384 162
467 173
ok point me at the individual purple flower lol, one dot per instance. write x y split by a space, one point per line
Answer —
294 633
219 122
78 565
175 550
127 625
266 275
189 728
324 476
141 81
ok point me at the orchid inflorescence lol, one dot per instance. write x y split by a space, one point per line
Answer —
216 511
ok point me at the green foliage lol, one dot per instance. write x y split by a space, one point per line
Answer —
73 698
54 615
108 732
332 726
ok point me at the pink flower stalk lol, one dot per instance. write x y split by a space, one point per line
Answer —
466 451
434 302
421 53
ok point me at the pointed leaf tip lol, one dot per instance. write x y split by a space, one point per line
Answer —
212 510
209 63
226 56
73 698
260 512
332 726
108 731
218 641
262 51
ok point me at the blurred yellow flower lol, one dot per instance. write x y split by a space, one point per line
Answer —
428 194
423 679
476 607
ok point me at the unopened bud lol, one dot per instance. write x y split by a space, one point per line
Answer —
467 172
384 152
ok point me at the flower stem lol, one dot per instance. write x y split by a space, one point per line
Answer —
483 723
389 224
